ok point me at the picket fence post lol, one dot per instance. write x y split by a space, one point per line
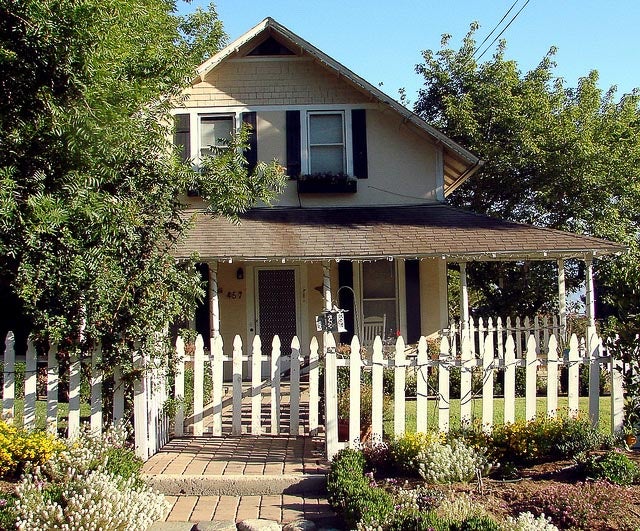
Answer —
314 387
422 385
355 364
294 388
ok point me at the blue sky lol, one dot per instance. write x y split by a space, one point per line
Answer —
382 41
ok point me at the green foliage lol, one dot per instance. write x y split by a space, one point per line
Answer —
123 462
476 523
350 494
558 157
405 449
8 513
418 521
613 466
90 185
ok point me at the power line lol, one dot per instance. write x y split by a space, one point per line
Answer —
503 30
495 27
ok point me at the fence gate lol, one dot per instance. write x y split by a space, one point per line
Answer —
231 389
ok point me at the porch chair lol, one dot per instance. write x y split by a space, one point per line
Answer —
371 327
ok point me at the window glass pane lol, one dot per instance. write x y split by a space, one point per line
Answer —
326 159
325 129
382 308
378 279
214 131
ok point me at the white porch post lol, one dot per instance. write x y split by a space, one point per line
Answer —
590 300
562 298
464 298
330 380
214 311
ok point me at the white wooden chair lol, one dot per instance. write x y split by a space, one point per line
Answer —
371 327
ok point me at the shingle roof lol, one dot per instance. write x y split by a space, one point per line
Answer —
377 232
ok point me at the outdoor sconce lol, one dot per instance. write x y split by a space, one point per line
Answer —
239 274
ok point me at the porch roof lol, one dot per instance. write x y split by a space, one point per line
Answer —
366 233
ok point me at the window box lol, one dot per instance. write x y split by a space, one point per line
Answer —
323 183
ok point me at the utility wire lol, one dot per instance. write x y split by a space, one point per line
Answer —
495 27
503 30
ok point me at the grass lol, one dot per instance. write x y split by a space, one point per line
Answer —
498 412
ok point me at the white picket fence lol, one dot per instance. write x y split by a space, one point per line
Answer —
490 359
249 383
151 425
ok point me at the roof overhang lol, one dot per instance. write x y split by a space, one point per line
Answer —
374 233
459 164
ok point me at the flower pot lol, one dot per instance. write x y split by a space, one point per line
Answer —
343 431
630 439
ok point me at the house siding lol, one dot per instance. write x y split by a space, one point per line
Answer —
292 81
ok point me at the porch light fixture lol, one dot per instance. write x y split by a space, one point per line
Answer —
240 273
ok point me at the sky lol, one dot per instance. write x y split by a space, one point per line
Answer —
382 41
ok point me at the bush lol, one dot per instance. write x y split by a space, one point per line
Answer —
350 494
405 449
613 466
418 521
476 523
584 505
460 508
527 522
450 462
123 462
20 448
94 501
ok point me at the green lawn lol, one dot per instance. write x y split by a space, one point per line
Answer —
498 412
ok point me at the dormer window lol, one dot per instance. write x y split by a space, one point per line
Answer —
215 133
326 143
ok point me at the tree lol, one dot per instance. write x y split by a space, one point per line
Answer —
90 184
559 157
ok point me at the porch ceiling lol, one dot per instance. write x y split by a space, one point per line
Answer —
380 232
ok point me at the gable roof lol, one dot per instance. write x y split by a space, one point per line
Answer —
367 233
459 164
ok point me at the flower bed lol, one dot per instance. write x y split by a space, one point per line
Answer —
89 483
513 478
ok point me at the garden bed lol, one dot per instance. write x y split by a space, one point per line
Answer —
545 474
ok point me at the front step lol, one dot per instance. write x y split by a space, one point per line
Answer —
236 485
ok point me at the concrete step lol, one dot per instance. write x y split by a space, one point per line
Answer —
236 485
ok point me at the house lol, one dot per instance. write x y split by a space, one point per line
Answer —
362 223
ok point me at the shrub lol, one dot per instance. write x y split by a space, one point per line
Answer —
527 522
123 462
350 494
418 521
422 498
20 448
584 505
405 449
613 466
460 508
476 523
93 501
377 455
450 462
8 513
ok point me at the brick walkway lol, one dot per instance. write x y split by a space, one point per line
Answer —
281 508
261 460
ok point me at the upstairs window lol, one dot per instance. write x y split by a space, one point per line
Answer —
215 133
326 143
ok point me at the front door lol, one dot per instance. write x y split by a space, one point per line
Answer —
276 307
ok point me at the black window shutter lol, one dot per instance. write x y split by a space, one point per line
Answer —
359 142
181 136
294 164
345 278
251 153
412 281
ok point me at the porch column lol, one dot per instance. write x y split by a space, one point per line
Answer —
464 298
214 311
590 300
562 298
326 284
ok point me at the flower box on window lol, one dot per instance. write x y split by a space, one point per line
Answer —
327 183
